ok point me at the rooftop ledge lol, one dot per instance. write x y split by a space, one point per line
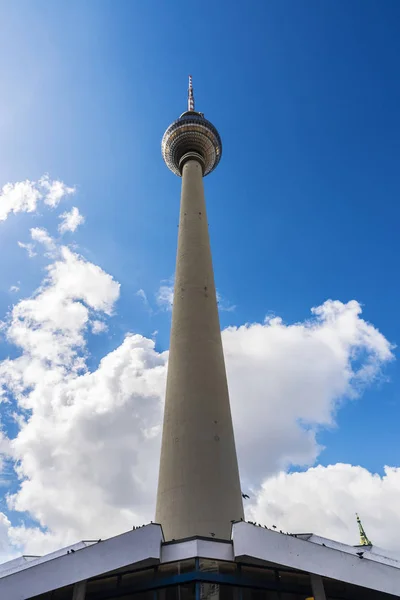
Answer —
376 569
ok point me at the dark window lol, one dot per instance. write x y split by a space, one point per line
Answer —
258 574
338 590
102 584
177 592
214 566
64 593
137 596
295 581
253 594
137 578
214 591
175 568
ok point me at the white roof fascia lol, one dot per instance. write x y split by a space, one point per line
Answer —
9 569
211 549
250 542
370 552
142 545
16 563
390 554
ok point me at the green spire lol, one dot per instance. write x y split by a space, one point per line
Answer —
364 541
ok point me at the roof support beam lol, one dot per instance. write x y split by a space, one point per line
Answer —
317 586
79 591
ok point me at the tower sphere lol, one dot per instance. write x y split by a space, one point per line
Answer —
191 133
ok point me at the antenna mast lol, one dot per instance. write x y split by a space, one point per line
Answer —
364 541
190 95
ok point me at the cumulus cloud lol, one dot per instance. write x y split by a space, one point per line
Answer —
87 447
72 414
324 500
88 442
24 196
49 327
70 220
296 376
8 550
89 451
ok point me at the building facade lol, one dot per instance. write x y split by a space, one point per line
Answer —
255 564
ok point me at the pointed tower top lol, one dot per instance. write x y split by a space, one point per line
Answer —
364 541
190 95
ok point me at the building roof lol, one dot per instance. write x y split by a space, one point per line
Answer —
25 577
314 554
81 561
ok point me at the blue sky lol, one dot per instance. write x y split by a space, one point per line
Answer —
304 205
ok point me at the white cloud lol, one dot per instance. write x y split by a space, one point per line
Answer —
7 551
18 197
87 449
87 454
324 500
29 248
24 196
70 220
224 305
54 190
294 378
14 288
41 235
165 296
98 327
49 329
143 296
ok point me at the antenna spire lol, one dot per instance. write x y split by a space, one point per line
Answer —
364 541
190 95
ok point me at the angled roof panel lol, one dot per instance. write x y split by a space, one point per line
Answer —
141 546
336 561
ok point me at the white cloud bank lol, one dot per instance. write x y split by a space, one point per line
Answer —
286 381
24 196
324 500
87 448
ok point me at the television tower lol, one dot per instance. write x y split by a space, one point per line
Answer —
198 488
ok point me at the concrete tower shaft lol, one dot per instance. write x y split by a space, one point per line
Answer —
199 488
